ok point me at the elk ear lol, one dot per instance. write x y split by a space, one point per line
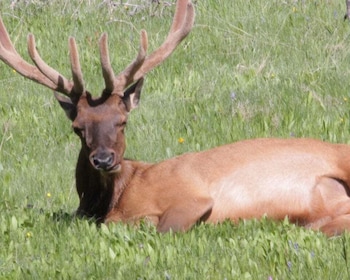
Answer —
67 105
132 95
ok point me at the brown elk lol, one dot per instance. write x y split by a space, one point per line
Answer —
303 179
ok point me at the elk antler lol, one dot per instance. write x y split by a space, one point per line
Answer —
180 28
49 77
41 72
182 24
118 84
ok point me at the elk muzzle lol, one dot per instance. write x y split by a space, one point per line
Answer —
104 160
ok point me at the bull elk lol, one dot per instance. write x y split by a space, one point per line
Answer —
303 179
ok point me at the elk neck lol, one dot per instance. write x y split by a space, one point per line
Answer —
99 191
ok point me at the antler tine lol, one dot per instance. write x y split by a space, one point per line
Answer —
9 55
63 85
107 71
126 77
78 82
179 15
181 27
5 41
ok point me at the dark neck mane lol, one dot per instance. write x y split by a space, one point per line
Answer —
100 192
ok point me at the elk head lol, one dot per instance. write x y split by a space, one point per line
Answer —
99 122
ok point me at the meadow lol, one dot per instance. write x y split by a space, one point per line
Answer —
249 68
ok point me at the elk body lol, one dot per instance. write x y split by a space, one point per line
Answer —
306 180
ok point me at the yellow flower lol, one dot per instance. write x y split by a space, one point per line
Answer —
345 99
294 9
180 140
29 234
48 194
14 71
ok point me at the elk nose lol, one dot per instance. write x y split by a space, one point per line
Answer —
103 160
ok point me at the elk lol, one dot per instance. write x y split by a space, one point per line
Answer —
305 180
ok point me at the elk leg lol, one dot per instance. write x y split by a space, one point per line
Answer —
183 216
337 226
332 206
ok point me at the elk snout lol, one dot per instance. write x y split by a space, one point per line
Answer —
104 160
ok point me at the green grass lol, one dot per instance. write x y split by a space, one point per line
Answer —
285 62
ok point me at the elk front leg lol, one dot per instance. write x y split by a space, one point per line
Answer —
331 205
183 216
337 226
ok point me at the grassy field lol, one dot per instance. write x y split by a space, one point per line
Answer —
248 69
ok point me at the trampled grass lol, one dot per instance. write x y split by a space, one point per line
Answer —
249 69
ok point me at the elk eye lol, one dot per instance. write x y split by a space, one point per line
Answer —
120 125
79 131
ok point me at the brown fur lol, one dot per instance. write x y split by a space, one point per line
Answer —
304 179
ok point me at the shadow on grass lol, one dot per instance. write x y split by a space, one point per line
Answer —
60 216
